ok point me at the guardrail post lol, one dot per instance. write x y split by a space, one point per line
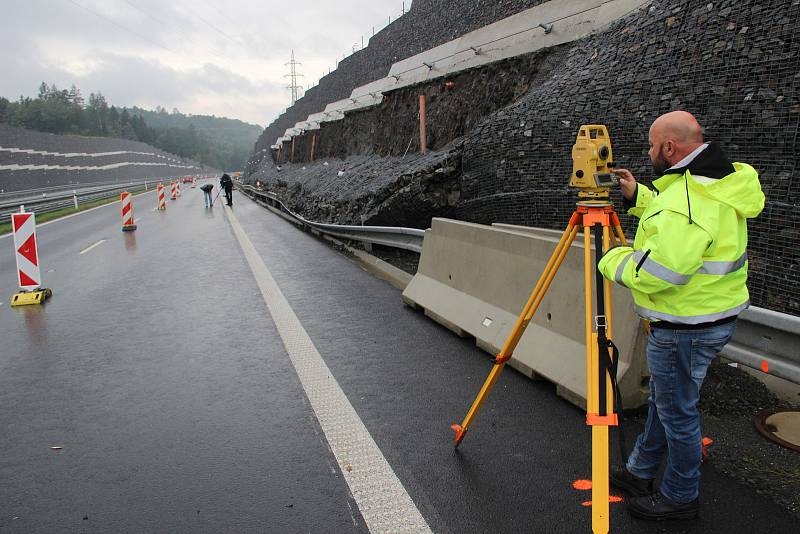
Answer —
423 144
75 198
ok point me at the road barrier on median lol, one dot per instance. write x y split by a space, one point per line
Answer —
126 207
765 340
161 195
26 252
475 279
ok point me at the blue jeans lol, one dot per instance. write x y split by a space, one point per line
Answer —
678 362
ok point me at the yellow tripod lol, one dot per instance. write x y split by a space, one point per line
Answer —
599 218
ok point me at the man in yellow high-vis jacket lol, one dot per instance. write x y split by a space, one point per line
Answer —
687 271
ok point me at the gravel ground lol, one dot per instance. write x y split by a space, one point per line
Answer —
402 259
729 400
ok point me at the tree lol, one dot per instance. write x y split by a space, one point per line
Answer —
75 96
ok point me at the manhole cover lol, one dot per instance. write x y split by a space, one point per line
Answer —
780 426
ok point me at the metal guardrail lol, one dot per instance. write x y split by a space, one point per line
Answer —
767 336
44 203
50 199
9 195
763 338
390 236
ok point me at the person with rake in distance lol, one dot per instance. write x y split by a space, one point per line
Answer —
207 189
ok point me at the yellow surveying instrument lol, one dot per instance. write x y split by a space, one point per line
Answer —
592 163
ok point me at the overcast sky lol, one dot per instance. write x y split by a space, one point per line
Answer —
200 56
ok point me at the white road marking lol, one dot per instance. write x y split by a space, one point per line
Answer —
379 494
90 247
65 217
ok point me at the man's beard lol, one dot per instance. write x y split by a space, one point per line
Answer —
660 164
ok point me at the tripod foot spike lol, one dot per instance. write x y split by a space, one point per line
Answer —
459 433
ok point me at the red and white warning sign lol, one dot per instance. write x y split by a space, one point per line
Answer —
24 226
162 197
127 212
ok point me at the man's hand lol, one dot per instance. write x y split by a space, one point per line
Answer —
627 182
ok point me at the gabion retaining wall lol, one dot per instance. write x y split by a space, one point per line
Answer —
734 64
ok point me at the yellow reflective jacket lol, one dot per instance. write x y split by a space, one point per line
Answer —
688 263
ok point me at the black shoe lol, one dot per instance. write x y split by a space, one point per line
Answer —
622 479
657 507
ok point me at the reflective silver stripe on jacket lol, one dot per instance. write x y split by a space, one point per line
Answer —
620 268
654 315
722 267
668 275
659 271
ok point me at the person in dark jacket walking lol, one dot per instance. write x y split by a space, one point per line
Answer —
227 184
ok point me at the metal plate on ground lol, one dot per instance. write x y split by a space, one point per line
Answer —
780 426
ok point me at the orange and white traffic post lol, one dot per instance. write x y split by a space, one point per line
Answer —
161 195
178 188
194 181
173 186
27 255
126 204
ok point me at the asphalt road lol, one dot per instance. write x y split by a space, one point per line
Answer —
157 368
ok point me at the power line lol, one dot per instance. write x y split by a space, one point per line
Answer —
115 23
223 15
164 24
225 35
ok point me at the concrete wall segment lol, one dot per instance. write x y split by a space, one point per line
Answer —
476 279
567 21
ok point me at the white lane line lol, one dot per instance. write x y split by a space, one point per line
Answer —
65 217
379 494
90 247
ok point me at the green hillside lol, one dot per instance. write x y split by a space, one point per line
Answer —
216 141
231 139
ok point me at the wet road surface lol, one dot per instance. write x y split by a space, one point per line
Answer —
158 368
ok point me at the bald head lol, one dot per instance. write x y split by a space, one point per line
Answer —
678 126
673 136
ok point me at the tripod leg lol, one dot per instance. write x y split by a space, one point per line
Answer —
524 318
618 229
600 389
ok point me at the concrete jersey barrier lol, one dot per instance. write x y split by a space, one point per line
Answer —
475 280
